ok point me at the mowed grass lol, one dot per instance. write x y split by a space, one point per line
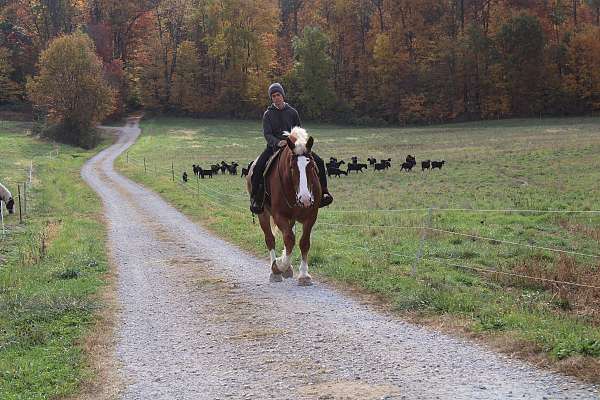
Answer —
370 236
51 268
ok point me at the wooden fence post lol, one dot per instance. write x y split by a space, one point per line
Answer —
20 211
422 242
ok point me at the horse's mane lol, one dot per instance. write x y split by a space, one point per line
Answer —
300 137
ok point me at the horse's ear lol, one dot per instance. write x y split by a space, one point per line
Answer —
309 144
291 144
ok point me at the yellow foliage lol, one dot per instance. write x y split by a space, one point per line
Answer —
583 79
70 83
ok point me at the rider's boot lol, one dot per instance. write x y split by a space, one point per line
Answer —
326 198
257 198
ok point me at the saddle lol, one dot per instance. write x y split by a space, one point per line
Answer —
270 162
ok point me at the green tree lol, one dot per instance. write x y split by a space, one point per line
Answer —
312 70
10 91
70 86
521 44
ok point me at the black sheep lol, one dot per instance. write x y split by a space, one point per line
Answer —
437 164
205 172
184 177
247 169
407 166
380 166
356 167
336 171
425 165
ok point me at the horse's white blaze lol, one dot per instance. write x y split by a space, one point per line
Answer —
304 196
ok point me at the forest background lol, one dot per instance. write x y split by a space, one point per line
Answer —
356 61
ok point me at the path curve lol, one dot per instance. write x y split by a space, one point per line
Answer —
199 320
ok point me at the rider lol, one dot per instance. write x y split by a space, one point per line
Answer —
280 117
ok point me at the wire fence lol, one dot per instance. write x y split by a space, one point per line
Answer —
215 198
21 197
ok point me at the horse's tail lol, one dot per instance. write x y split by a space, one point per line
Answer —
274 228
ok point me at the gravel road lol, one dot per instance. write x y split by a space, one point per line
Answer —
200 320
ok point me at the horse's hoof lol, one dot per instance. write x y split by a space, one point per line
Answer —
305 281
273 278
288 273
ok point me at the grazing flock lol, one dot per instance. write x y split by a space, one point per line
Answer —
224 168
334 167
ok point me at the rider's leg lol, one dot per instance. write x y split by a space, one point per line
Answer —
326 198
258 186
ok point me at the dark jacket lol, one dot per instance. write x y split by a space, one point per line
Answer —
276 121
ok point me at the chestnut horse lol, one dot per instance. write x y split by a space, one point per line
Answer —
292 194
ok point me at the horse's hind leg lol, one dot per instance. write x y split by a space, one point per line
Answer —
304 279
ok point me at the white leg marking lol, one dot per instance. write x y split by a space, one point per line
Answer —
304 269
272 256
284 262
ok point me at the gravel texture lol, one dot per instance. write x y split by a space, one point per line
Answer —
200 320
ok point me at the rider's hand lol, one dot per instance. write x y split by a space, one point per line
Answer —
282 143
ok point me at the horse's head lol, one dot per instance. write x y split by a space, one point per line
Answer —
303 169
10 205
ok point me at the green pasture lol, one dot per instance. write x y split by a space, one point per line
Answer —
51 267
371 235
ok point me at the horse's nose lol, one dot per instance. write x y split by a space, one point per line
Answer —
305 201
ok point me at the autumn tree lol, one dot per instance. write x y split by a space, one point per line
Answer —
71 88
185 92
583 77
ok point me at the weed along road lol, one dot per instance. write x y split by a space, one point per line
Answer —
200 320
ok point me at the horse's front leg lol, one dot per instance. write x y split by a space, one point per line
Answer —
304 279
283 264
265 223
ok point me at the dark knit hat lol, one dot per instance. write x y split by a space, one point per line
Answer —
276 87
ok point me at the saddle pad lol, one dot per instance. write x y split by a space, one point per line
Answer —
271 160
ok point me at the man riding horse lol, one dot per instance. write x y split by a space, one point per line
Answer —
280 117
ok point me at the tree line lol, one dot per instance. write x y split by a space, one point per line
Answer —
358 61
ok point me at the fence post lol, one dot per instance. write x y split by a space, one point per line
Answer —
20 211
173 171
145 170
2 217
30 170
25 198
127 157
422 242
198 184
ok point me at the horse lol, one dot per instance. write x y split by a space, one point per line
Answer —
6 198
293 193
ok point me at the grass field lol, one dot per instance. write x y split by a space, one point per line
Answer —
369 240
51 269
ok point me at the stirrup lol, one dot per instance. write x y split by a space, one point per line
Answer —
256 207
257 201
326 200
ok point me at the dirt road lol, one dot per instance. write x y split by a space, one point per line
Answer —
199 320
